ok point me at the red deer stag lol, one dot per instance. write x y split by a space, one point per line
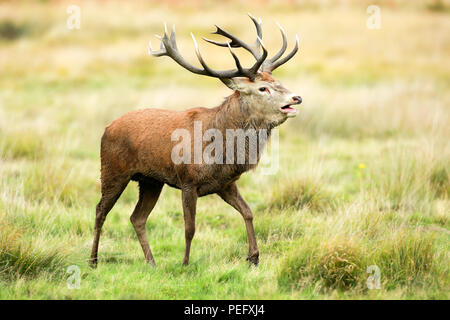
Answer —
139 145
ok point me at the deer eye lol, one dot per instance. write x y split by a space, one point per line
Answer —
263 89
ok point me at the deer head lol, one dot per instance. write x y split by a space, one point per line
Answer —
264 96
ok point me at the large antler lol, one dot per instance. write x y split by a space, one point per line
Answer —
169 48
237 43
271 64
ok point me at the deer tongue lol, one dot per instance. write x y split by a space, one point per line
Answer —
288 109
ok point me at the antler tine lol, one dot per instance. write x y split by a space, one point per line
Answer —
173 40
272 65
236 60
253 70
240 72
236 42
200 59
283 47
257 24
162 50
258 27
169 48
220 44
157 53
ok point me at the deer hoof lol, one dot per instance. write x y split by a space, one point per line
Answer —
253 260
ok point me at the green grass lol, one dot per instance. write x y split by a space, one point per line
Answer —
363 175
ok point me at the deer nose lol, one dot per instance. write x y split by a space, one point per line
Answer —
297 99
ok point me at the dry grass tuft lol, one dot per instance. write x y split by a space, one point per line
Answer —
299 194
22 258
336 264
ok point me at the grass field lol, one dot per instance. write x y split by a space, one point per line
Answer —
363 173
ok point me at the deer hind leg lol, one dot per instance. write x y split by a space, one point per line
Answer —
189 197
111 191
148 195
231 195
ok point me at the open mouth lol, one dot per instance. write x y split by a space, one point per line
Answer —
288 109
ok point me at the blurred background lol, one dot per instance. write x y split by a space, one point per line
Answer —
370 142
356 81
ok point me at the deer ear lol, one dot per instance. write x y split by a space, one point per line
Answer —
239 84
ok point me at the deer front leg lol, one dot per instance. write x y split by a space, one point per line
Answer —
231 195
189 198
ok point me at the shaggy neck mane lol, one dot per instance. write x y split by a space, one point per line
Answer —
234 113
